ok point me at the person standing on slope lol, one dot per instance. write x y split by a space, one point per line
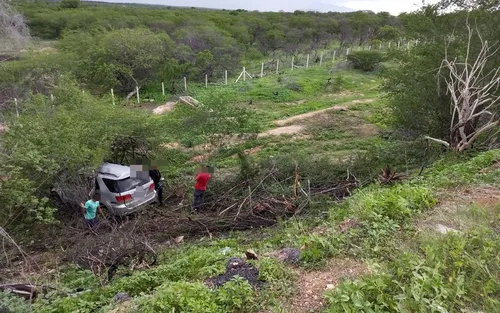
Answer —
90 209
200 187
155 175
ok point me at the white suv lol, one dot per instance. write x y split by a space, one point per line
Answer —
122 190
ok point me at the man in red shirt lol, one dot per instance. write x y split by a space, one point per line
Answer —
200 187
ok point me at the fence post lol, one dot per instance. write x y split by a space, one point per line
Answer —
112 96
137 93
162 88
293 60
244 74
262 71
278 67
17 109
408 45
225 76
389 45
52 97
206 81
307 62
399 44
321 60
380 46
185 84
369 47
347 52
334 53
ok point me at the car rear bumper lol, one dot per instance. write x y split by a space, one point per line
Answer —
126 209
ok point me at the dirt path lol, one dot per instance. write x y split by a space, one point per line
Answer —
308 115
286 130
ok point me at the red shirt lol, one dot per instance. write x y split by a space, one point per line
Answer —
202 181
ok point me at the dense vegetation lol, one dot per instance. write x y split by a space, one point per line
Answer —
376 107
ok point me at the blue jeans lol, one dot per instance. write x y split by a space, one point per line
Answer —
199 198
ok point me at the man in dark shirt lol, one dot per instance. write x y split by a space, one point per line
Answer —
155 175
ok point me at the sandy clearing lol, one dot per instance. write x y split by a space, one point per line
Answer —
286 130
162 109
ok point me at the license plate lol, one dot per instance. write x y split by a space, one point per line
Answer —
139 192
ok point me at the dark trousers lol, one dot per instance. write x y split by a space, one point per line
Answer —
159 192
93 222
199 198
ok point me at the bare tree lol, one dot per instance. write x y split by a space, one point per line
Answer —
14 32
473 89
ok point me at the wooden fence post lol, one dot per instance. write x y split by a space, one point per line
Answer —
52 97
206 80
162 88
262 71
293 60
225 76
347 53
307 62
244 74
185 84
137 93
321 60
334 53
112 96
17 109
278 67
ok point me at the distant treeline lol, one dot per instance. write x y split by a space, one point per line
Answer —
263 32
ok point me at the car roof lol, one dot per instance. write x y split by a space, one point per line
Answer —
114 171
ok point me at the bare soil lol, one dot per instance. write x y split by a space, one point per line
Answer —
164 108
454 207
309 115
286 130
313 284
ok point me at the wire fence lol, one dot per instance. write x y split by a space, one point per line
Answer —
276 64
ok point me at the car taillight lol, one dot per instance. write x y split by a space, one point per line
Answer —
152 186
124 198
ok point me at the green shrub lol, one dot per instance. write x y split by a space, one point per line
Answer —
452 273
398 203
233 297
366 60
13 304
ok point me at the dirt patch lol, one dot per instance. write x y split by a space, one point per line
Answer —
365 130
300 102
162 109
313 284
253 150
344 94
362 101
171 145
308 115
454 207
286 130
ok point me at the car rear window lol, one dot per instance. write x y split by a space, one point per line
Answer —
123 185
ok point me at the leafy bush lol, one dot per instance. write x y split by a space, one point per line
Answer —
398 203
13 304
366 60
452 273
233 297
